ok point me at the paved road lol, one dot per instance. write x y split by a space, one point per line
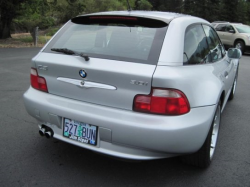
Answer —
26 159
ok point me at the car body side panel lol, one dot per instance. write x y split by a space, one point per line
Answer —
172 49
202 84
227 38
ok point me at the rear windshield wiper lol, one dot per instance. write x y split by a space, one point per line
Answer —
70 52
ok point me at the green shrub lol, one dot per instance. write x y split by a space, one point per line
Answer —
46 22
51 31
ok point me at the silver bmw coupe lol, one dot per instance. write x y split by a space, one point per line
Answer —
136 85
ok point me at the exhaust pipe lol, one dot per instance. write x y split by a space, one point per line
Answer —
45 131
42 131
48 134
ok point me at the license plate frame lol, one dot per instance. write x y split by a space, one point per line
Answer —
80 131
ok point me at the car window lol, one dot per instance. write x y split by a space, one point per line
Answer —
196 49
242 28
116 38
229 28
221 27
213 24
216 49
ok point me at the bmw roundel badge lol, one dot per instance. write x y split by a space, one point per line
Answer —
82 73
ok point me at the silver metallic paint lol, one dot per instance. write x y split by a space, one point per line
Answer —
108 72
154 133
134 135
172 49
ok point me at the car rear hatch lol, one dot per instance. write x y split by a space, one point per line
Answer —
123 53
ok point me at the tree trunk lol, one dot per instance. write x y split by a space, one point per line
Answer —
5 29
6 16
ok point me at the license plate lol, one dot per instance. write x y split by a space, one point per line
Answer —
79 131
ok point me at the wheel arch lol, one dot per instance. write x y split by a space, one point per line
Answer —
239 39
222 100
222 97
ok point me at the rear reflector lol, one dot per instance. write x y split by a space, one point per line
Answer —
162 101
37 82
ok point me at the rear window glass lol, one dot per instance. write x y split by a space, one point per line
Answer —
117 38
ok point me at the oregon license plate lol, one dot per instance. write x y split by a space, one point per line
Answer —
79 131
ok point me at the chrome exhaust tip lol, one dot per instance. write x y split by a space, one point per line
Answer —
48 134
42 131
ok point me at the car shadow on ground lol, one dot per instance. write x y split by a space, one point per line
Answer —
247 54
77 162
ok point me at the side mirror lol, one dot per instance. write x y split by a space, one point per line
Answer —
234 53
231 31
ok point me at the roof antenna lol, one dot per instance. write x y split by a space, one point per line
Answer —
129 8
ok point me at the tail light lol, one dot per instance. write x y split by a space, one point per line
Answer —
37 82
162 101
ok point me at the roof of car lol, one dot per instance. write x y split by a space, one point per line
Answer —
164 16
237 23
225 22
220 22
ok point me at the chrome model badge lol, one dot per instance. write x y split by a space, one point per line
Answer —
45 68
82 73
139 83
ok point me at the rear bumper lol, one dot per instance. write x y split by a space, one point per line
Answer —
124 133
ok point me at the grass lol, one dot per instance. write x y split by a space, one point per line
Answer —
28 39
25 39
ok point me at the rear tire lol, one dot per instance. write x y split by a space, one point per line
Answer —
203 157
240 45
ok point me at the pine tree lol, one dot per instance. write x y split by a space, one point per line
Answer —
229 10
189 7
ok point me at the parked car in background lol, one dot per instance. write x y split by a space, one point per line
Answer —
134 84
234 35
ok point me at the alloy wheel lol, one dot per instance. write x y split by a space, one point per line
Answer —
238 46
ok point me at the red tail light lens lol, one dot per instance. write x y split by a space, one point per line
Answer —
37 82
162 101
